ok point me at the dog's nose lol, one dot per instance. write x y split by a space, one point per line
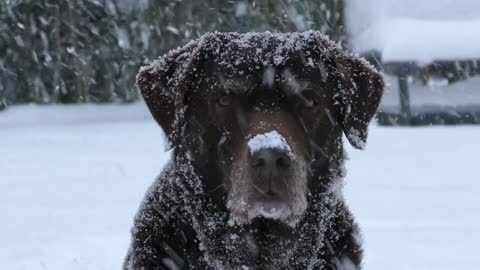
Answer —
270 160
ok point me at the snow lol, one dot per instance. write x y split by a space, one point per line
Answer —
271 139
420 31
73 177
229 49
415 194
418 40
273 210
356 138
171 76
241 9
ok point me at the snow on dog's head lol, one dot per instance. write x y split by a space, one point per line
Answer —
262 115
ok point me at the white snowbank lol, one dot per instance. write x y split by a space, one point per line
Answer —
415 30
71 180
271 139
421 40
33 115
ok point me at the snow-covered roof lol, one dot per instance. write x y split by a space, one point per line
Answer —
421 31
423 40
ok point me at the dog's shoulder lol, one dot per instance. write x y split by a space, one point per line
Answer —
161 234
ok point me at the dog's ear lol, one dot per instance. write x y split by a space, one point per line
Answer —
360 89
163 84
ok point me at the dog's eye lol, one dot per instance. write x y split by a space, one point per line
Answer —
225 100
306 103
307 100
309 103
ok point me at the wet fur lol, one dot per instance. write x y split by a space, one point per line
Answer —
184 220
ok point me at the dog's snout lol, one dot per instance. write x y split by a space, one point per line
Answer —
270 160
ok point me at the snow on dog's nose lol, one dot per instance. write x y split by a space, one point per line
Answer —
270 154
269 140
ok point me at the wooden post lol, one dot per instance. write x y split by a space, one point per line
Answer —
405 110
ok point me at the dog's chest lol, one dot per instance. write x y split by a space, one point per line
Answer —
248 250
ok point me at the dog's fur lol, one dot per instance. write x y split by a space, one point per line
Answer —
214 96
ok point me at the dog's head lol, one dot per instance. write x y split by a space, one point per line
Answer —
262 114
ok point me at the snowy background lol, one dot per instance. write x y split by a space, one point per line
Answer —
415 30
72 178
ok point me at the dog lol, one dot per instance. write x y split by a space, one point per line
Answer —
256 123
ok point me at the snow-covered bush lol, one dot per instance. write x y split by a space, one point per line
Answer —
90 50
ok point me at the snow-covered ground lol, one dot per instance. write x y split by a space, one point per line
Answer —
71 179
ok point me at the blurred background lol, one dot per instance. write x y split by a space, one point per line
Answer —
88 51
78 147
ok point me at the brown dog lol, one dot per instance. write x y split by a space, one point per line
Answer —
255 122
